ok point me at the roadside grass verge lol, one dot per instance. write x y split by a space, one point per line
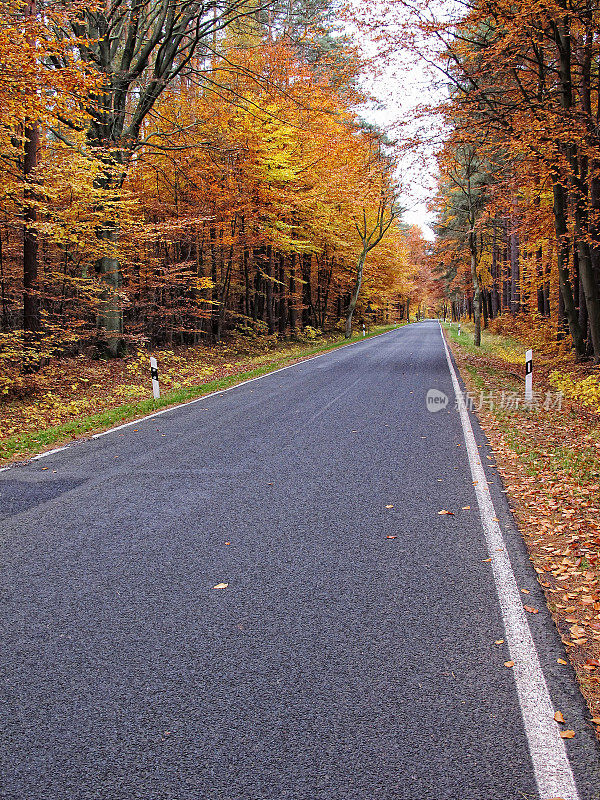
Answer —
33 438
549 460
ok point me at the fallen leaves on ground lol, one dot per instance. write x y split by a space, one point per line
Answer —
559 717
549 462
449 513
221 586
567 734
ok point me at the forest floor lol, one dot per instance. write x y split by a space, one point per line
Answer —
74 397
549 458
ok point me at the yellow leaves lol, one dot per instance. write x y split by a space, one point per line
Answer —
531 609
559 717
221 586
561 661
509 664
584 392
446 513
567 734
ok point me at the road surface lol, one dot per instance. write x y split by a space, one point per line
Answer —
337 664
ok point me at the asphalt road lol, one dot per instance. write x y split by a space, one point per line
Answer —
338 664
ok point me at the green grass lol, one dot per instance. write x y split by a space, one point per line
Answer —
32 442
571 459
491 343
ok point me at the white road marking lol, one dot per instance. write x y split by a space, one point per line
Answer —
237 385
49 452
551 767
212 394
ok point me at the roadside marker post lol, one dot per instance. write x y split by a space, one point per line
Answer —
529 376
459 328
364 331
154 376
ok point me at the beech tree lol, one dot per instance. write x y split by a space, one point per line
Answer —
138 49
371 232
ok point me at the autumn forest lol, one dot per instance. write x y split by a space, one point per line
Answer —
177 172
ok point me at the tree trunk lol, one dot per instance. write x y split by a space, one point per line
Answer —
269 292
282 307
31 308
591 295
358 283
562 254
515 300
293 299
476 290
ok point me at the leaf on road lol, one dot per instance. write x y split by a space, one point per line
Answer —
567 734
466 508
390 537
389 506
499 641
559 717
531 609
509 663
525 591
561 661
449 513
221 586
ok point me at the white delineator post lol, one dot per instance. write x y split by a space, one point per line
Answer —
529 376
459 328
364 332
154 375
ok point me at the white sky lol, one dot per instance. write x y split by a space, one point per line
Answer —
402 86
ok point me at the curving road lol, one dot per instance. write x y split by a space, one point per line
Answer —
337 664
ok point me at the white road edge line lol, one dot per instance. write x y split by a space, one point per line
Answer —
207 396
241 383
553 773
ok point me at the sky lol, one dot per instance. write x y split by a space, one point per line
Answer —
402 85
